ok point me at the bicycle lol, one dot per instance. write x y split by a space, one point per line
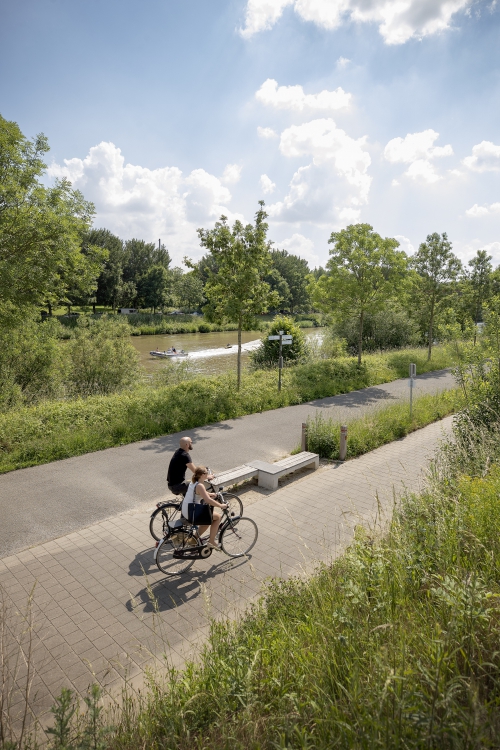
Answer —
181 546
167 510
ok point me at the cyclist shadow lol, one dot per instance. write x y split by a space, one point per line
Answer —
173 591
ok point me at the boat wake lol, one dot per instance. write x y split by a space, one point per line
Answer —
250 346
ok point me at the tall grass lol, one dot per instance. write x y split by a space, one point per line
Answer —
380 426
54 430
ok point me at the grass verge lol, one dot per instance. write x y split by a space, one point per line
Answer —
53 430
382 425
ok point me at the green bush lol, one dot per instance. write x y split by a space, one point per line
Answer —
267 354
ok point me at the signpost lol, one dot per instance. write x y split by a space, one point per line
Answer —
413 374
285 340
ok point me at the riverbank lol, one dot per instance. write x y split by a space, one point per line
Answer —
59 429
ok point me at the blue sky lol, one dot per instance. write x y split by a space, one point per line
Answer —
167 114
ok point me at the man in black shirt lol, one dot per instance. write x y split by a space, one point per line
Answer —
180 461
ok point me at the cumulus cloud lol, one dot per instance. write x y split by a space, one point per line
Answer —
136 201
294 98
485 157
417 150
405 244
477 211
336 180
231 174
266 184
266 133
398 20
302 246
343 62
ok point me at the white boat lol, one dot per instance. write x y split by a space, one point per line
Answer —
169 353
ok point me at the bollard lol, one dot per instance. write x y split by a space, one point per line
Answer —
343 442
303 442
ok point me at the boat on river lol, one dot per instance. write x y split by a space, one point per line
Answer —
169 353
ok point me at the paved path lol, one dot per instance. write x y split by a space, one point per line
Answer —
93 609
45 502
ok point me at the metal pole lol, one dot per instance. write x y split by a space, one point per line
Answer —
413 372
280 361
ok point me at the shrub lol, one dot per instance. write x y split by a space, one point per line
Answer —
268 351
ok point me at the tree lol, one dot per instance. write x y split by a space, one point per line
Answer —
294 271
278 284
266 355
238 291
110 281
187 290
361 275
479 282
41 229
154 286
438 269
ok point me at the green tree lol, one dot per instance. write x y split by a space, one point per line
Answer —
110 281
188 290
438 269
278 284
154 287
237 292
479 283
294 271
361 275
41 228
268 352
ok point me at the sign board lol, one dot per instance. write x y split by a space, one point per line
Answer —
413 370
287 338
273 338
286 343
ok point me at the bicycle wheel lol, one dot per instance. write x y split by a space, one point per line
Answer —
158 525
235 504
165 560
238 538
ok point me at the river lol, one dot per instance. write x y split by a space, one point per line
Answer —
207 351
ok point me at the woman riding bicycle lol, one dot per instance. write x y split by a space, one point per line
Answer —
196 493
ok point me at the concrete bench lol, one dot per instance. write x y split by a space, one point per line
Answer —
235 476
270 473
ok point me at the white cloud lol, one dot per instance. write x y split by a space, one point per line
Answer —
405 244
231 174
336 180
302 246
485 157
417 150
398 20
293 97
136 201
343 62
266 133
266 184
477 211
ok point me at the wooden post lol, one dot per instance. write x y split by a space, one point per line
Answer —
303 442
343 442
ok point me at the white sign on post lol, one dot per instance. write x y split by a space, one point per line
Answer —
273 338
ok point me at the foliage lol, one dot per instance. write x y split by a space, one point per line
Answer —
390 328
268 352
188 292
58 429
237 292
293 271
437 270
154 286
41 229
101 358
362 272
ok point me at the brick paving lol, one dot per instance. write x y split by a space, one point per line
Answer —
95 618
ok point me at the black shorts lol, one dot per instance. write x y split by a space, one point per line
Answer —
179 489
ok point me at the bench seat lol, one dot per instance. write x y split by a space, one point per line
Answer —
235 476
269 474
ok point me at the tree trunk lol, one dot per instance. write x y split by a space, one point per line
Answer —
49 308
93 308
360 340
431 324
239 354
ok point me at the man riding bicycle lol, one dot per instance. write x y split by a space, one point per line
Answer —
180 461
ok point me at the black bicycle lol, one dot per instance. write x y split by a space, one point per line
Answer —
167 511
181 546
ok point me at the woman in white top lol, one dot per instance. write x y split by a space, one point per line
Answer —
196 492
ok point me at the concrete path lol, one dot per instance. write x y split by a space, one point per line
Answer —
45 502
102 607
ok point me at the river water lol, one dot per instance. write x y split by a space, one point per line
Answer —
207 351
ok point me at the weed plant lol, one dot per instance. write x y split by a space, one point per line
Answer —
53 430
